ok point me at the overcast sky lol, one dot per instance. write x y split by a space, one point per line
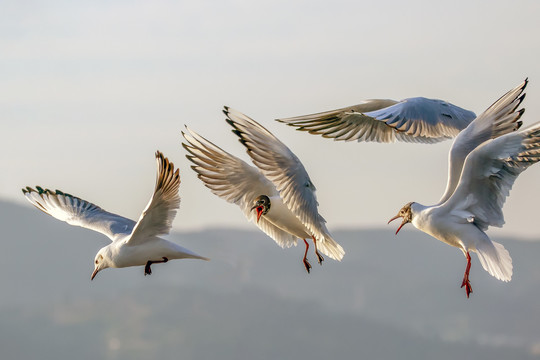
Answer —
90 90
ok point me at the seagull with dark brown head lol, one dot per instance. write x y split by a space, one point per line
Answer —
277 194
485 159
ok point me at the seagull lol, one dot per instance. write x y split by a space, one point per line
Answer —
485 160
133 243
277 194
416 119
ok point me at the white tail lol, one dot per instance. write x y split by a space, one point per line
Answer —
330 248
495 259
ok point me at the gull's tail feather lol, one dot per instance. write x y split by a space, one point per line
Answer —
496 260
184 253
331 248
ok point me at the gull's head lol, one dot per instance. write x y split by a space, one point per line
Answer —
101 261
405 213
261 205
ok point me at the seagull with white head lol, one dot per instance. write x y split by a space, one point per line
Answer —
133 243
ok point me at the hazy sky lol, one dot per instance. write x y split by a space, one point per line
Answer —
90 90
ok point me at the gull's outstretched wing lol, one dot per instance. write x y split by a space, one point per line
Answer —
279 165
499 119
416 119
489 173
159 214
78 212
233 180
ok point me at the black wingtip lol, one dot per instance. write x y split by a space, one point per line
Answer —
240 135
295 125
185 146
520 114
226 110
237 132
231 122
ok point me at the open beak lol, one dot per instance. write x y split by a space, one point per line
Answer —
402 223
96 270
259 209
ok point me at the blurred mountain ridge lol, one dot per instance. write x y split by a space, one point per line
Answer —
391 296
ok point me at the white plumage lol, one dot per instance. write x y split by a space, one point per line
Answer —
484 162
277 195
416 119
133 243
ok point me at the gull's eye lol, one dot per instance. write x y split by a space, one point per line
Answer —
96 262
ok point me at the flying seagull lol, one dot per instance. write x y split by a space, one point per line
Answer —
417 119
133 243
277 194
485 160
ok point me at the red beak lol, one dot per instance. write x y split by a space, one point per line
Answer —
400 226
259 212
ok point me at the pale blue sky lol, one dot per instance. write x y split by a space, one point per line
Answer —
89 91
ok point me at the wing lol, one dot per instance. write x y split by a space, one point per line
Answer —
233 180
159 214
79 212
499 119
417 120
278 164
489 173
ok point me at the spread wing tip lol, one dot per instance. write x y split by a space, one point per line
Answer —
166 170
39 190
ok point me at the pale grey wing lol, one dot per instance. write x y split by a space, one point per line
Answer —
423 120
233 180
78 212
347 124
158 216
489 173
418 120
278 164
499 119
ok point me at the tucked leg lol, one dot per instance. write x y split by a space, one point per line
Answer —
307 265
466 281
148 270
319 256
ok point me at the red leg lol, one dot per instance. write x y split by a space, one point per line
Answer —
306 262
466 282
319 256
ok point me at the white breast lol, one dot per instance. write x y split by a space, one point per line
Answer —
445 227
280 215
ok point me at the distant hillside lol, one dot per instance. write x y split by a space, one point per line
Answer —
390 297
